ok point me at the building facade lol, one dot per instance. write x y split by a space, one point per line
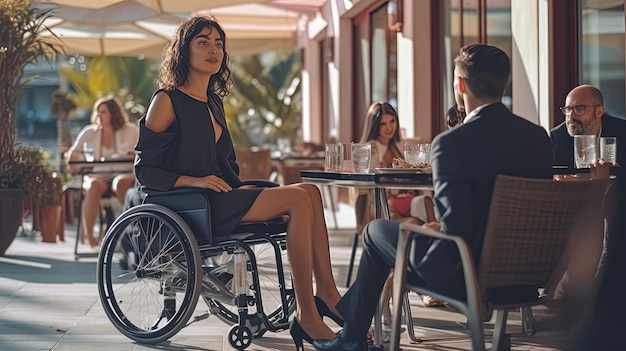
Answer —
360 51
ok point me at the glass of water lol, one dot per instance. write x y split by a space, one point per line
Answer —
361 156
88 151
608 149
584 150
333 155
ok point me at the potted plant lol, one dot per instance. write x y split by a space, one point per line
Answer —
42 189
22 41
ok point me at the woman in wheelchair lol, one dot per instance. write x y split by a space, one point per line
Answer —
184 142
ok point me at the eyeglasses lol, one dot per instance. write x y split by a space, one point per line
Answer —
578 109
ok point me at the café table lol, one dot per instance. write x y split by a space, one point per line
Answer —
406 179
379 181
565 170
86 168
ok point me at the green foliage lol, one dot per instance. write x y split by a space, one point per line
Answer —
21 43
61 104
36 178
131 80
266 102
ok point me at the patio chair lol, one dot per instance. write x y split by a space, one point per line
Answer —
362 212
524 252
253 163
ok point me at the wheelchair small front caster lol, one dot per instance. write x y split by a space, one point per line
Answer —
239 338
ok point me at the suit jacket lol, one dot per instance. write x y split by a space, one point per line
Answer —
563 143
466 161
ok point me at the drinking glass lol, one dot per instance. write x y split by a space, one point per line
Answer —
584 150
346 160
411 152
417 153
333 156
88 151
608 149
361 156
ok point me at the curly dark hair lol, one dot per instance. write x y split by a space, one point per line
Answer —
175 58
454 116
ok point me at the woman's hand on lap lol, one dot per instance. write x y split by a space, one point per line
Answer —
212 182
216 184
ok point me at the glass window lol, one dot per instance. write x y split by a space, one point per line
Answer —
379 54
362 80
375 62
602 51
499 34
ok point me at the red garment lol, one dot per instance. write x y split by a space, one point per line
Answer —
402 202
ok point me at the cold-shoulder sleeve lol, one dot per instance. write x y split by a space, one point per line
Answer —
150 164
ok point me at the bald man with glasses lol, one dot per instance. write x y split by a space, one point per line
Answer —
585 115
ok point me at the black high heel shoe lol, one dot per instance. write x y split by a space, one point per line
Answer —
339 344
324 311
298 334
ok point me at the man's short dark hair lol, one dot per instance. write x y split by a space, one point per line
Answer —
485 68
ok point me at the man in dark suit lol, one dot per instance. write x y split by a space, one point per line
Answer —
465 161
584 114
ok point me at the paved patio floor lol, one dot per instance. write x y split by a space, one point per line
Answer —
49 301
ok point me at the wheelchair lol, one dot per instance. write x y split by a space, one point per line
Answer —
158 258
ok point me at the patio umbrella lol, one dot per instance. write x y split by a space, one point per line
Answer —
136 28
159 6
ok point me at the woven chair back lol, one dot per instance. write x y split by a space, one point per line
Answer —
529 226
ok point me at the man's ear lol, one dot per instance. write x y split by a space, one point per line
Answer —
462 85
599 111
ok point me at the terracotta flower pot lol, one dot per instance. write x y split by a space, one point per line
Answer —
51 223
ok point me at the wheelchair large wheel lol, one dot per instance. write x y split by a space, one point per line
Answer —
149 273
270 292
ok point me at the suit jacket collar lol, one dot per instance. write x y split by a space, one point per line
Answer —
494 109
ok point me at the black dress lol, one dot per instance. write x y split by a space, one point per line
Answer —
188 147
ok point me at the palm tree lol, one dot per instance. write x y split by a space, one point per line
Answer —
266 103
61 105
131 80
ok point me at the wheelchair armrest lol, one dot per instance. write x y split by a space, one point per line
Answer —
190 203
174 191
260 183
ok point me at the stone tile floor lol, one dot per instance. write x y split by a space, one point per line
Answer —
49 301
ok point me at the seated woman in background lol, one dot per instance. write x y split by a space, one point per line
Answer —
382 130
110 135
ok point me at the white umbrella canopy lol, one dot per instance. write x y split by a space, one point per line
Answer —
160 6
137 28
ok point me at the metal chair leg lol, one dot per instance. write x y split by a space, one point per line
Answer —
500 339
355 243
331 202
410 328
528 321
